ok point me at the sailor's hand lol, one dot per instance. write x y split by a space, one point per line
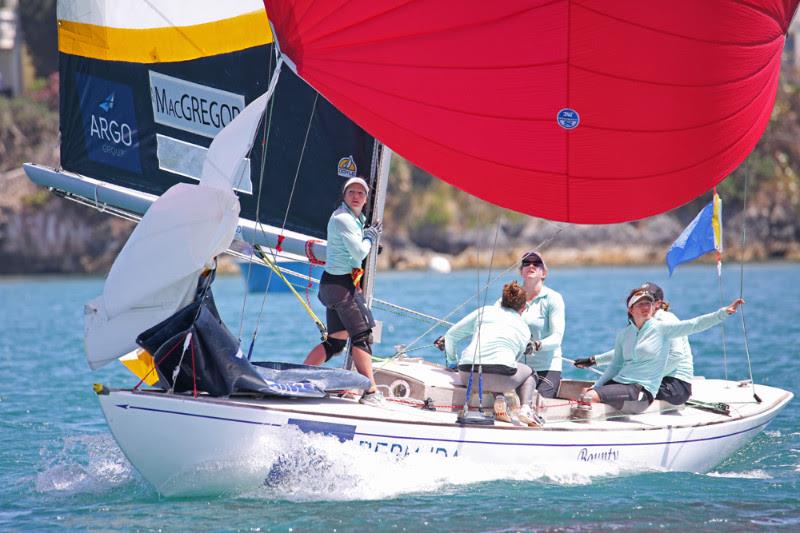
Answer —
373 232
439 343
731 309
528 348
585 362
532 346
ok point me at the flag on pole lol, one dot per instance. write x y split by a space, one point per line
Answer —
702 235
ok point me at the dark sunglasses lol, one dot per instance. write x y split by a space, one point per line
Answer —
534 262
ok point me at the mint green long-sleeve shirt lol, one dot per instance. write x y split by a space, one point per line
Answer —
680 363
498 337
546 319
347 246
641 355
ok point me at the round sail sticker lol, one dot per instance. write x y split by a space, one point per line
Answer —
568 118
347 167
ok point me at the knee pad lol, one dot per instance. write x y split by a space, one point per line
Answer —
333 346
364 341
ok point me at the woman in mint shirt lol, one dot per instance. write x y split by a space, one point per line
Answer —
641 352
347 314
545 317
499 337
676 385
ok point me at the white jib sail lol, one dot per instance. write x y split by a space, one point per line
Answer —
157 270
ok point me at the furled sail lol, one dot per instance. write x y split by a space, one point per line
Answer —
146 86
576 110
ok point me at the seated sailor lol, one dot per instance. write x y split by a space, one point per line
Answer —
641 351
499 336
676 385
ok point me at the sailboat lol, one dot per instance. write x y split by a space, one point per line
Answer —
567 110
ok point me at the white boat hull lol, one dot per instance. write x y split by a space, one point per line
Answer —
209 445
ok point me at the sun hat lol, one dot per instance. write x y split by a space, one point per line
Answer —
533 257
357 180
653 289
639 295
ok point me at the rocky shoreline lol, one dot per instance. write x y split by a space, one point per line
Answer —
43 234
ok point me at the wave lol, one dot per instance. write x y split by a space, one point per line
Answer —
750 474
86 463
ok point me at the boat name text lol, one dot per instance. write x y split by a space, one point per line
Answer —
605 455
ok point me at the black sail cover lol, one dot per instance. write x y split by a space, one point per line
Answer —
145 124
208 359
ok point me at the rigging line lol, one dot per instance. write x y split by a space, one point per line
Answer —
266 128
741 279
262 171
405 311
722 329
274 267
476 359
286 214
443 320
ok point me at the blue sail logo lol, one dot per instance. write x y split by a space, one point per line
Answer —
107 104
109 120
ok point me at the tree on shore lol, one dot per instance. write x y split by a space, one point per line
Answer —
38 19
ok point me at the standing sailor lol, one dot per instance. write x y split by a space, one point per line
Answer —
544 313
347 314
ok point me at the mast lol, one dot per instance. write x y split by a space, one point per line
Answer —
381 183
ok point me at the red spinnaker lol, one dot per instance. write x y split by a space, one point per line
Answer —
583 111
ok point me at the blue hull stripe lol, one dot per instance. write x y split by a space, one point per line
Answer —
457 441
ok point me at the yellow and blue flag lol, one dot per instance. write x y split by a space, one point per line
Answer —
702 235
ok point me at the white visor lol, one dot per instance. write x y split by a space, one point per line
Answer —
356 180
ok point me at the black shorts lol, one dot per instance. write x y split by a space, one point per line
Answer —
345 306
674 391
547 382
630 397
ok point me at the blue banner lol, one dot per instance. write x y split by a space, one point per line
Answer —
702 235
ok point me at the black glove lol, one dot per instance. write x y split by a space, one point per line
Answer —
586 362
439 343
533 346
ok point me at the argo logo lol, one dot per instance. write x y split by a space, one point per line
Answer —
192 107
109 122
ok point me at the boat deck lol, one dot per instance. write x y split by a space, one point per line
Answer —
660 415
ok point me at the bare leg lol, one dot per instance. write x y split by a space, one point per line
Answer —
317 356
363 362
